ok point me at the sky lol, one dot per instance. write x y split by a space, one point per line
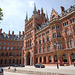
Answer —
14 11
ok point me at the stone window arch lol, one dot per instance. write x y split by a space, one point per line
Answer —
49 58
44 59
64 58
7 54
5 61
55 58
70 43
73 57
40 59
48 47
67 32
60 45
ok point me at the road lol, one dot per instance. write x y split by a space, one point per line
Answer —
10 73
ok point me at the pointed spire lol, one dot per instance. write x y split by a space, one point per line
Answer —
26 16
34 7
46 14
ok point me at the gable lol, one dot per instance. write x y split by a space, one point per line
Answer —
54 14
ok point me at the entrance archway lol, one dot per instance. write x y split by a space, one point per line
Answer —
28 58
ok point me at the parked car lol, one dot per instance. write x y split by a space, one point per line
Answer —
39 66
1 71
14 65
20 65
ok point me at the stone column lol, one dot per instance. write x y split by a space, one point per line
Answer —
69 59
25 60
30 60
52 59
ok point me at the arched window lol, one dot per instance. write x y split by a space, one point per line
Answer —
4 48
7 48
48 48
36 51
5 61
9 61
40 50
67 32
2 54
60 45
21 48
70 44
13 61
55 58
17 61
40 59
14 48
44 49
18 54
6 54
64 58
73 57
49 58
44 59
36 59
1 61
10 54
18 48
11 48
20 61
0 47
14 54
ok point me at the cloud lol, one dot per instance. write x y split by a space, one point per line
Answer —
31 3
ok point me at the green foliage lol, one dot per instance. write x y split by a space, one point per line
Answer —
1 14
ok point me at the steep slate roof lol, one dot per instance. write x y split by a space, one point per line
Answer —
72 8
10 37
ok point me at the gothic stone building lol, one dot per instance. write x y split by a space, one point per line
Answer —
43 41
48 42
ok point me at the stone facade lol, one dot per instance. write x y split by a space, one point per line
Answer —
49 42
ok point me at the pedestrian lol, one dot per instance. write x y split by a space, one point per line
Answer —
14 69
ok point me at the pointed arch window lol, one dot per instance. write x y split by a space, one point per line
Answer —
67 32
70 44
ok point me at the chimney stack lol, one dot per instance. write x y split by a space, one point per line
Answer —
19 33
22 32
41 10
38 12
0 31
12 33
9 33
62 9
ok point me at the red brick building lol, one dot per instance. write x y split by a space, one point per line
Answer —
43 41
11 48
49 42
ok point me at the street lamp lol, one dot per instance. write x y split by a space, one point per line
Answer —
55 47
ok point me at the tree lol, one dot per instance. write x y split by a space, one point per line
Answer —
1 14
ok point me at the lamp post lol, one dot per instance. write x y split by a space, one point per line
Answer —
55 47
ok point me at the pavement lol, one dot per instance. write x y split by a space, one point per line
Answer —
48 70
